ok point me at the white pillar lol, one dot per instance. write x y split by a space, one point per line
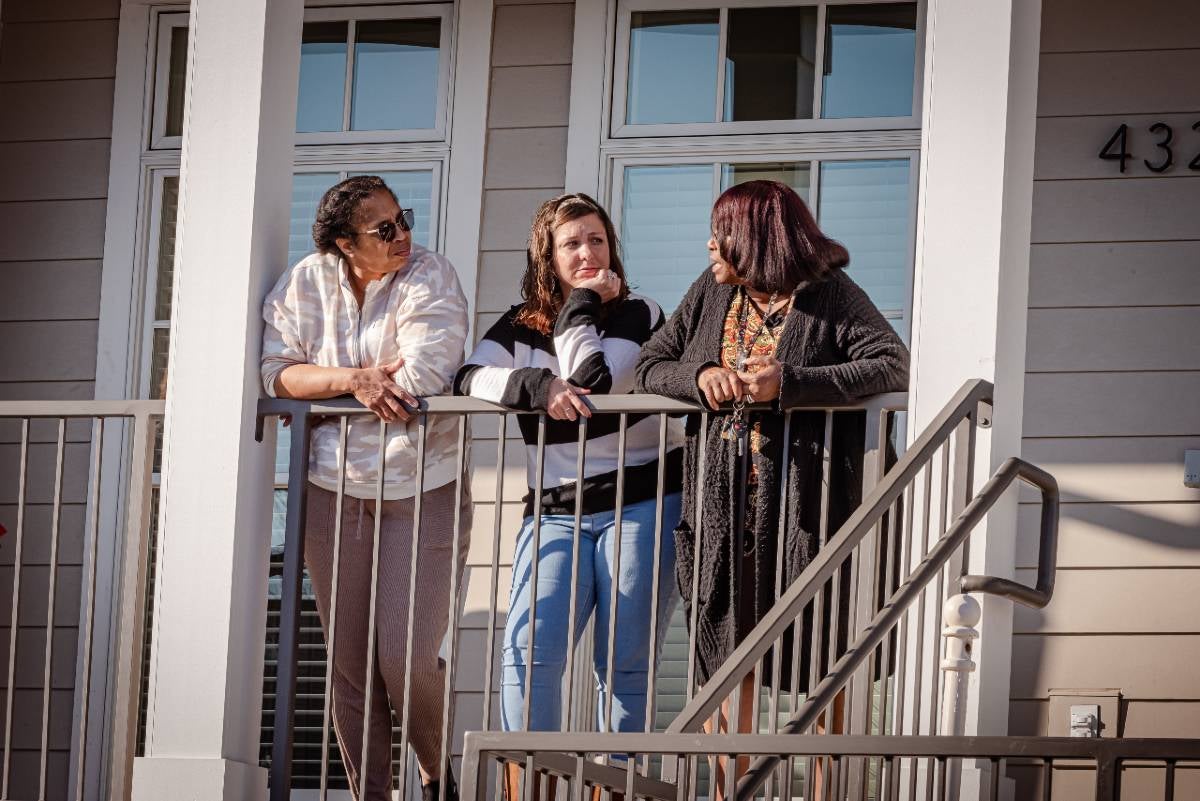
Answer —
210 606
975 201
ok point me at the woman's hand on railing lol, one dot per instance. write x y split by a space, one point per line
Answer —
762 376
376 389
563 402
720 385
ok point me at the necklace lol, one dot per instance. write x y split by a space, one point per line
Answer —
737 421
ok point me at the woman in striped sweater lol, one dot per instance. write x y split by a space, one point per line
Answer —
579 331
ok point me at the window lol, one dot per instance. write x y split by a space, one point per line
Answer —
821 96
763 67
380 76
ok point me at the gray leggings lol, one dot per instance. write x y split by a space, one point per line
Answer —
391 604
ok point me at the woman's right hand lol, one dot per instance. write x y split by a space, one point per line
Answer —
563 402
375 388
720 385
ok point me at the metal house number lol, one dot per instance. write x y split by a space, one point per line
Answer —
1117 148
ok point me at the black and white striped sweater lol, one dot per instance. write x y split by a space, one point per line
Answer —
591 347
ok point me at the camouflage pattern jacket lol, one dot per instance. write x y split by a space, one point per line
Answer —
418 313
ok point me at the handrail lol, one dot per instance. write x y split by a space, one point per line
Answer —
81 408
881 624
1039 595
829 559
631 403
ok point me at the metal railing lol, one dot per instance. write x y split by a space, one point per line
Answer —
1041 767
878 422
888 578
69 470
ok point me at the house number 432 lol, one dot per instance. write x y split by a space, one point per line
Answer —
1117 148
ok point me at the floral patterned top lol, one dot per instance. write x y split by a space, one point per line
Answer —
756 339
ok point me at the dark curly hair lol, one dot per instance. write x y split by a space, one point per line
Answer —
338 208
540 285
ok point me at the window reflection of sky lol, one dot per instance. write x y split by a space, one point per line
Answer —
869 68
673 67
395 75
322 77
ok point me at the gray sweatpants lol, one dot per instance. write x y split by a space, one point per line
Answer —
350 659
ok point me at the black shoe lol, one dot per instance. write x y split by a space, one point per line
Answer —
432 790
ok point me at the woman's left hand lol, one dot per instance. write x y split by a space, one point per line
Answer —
762 376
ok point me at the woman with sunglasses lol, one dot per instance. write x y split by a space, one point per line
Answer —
374 315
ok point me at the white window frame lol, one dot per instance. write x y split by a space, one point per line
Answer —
355 14
155 180
616 115
166 22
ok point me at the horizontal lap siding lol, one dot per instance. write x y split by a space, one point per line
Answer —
57 62
525 165
1113 372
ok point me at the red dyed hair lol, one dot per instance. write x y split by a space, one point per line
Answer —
767 234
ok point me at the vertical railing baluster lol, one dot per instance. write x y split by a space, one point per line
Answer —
289 610
656 581
777 651
701 456
935 692
573 602
493 587
133 604
530 776
994 780
93 543
577 780
331 645
19 537
418 506
368 695
464 423
818 644
1169 781
919 646
909 497
622 437
1048 779
51 597
534 558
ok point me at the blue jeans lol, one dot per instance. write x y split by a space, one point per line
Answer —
634 586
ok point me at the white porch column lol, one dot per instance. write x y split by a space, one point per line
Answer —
210 605
975 200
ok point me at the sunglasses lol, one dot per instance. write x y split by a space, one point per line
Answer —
387 231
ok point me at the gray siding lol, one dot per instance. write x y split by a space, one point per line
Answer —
57 63
525 165
1113 371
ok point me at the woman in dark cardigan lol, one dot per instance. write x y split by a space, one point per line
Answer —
774 319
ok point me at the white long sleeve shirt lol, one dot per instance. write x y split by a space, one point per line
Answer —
418 313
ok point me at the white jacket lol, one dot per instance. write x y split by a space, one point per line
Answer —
419 314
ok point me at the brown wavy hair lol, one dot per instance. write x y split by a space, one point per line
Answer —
540 288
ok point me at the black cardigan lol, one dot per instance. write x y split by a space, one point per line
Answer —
835 348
